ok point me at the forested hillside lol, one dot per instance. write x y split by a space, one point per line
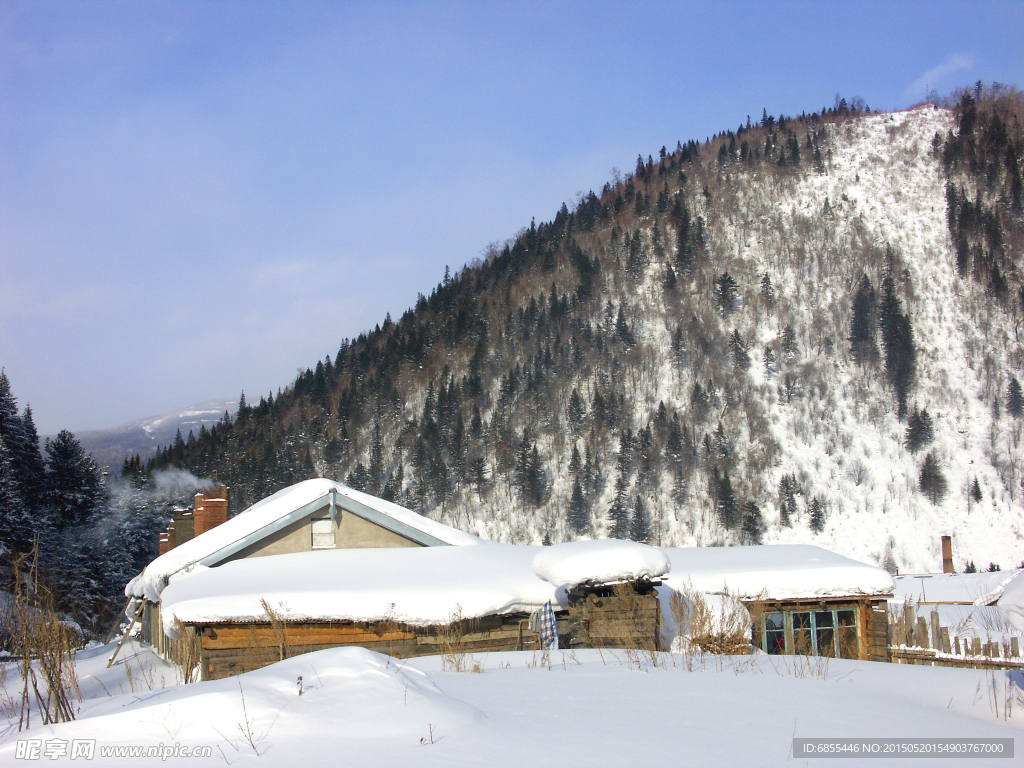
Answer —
804 329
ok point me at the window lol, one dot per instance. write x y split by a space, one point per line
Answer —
809 633
803 640
323 533
824 633
846 623
774 633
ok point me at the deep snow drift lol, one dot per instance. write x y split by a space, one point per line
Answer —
590 707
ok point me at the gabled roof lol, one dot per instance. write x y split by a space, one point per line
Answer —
280 510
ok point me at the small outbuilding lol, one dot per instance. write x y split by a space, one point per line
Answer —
802 599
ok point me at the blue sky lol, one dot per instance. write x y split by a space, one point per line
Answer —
198 198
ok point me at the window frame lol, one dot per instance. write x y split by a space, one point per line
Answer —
761 634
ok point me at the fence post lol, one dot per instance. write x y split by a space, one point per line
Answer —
922 633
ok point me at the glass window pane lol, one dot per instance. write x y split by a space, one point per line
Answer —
825 633
802 633
774 633
847 632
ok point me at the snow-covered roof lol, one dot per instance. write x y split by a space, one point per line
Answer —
604 561
424 586
779 571
418 586
956 588
277 512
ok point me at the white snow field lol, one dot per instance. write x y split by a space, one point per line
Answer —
595 708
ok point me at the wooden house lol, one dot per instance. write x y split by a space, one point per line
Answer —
319 565
314 516
412 602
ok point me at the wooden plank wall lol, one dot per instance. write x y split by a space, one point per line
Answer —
232 648
877 632
616 621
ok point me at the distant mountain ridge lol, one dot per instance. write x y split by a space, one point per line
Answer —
142 437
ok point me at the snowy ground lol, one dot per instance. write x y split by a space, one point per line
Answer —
592 707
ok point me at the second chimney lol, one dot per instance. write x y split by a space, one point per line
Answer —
947 554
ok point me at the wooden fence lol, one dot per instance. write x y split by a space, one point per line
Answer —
913 639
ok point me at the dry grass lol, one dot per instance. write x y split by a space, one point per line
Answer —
278 626
45 646
705 629
452 634
186 651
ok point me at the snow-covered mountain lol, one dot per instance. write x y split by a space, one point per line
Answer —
672 359
142 437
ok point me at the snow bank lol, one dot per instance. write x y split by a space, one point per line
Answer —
418 586
151 582
781 571
603 561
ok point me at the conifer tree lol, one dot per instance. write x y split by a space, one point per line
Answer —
789 345
618 513
740 357
864 349
920 430
15 525
74 484
753 526
771 367
931 481
22 444
726 293
578 518
725 503
898 339
1014 399
640 524
817 517
767 291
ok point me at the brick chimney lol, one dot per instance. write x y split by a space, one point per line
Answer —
211 509
184 527
947 555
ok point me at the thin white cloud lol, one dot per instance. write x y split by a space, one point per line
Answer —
933 76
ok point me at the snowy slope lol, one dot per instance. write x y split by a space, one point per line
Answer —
840 435
883 179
